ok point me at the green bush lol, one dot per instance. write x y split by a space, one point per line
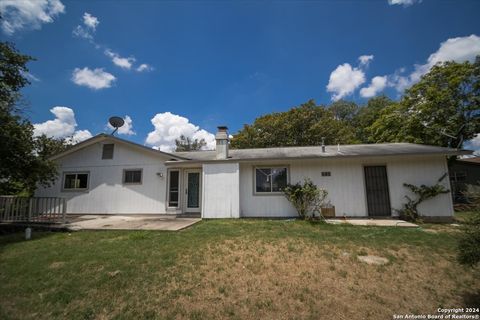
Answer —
469 243
307 198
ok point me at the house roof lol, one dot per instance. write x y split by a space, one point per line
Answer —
354 150
314 152
104 137
474 160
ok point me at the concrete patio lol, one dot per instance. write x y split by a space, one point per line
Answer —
118 222
373 222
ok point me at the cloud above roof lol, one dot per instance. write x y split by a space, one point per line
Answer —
62 127
168 127
345 79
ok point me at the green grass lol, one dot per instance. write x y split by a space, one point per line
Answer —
214 270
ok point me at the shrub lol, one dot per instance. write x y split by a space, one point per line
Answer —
469 243
307 198
423 192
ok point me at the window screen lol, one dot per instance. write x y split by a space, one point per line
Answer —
132 176
108 151
173 189
270 179
75 181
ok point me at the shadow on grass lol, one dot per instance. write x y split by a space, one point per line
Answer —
471 299
10 234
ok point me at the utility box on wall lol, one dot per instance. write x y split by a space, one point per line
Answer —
328 212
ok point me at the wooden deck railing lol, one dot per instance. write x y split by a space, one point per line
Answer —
36 209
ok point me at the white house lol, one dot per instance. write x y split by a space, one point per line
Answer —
109 175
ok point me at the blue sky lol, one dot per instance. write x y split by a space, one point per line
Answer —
222 62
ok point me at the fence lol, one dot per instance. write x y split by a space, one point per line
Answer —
37 209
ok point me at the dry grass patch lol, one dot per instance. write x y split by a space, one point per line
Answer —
285 279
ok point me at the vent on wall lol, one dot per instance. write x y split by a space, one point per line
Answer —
326 173
107 152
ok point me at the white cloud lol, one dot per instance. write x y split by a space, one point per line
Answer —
125 63
473 144
90 21
376 85
169 127
126 129
63 126
79 136
365 60
28 14
144 67
344 80
95 79
30 76
88 29
405 3
458 49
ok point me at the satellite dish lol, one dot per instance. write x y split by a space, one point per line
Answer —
116 122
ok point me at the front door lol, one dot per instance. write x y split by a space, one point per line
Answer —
192 190
378 197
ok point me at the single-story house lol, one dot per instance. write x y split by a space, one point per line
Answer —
109 175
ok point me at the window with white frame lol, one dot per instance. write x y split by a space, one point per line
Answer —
75 180
270 179
173 188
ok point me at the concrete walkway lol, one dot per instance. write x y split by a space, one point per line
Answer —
117 222
374 222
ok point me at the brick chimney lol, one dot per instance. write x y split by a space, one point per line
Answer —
222 142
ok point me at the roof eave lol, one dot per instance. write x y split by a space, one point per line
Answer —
445 153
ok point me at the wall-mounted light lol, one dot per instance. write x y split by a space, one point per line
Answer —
160 174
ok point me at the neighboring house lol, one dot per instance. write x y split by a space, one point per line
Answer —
108 175
464 172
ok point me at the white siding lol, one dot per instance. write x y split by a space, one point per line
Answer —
107 194
221 190
346 185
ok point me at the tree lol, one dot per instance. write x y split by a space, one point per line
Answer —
445 100
368 114
344 110
187 144
304 125
21 165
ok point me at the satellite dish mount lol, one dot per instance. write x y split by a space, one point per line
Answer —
116 122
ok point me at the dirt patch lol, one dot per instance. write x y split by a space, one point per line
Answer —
56 265
373 260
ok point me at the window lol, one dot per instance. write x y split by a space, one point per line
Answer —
269 180
132 176
173 188
75 181
107 152
326 173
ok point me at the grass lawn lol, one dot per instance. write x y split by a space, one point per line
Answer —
237 269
